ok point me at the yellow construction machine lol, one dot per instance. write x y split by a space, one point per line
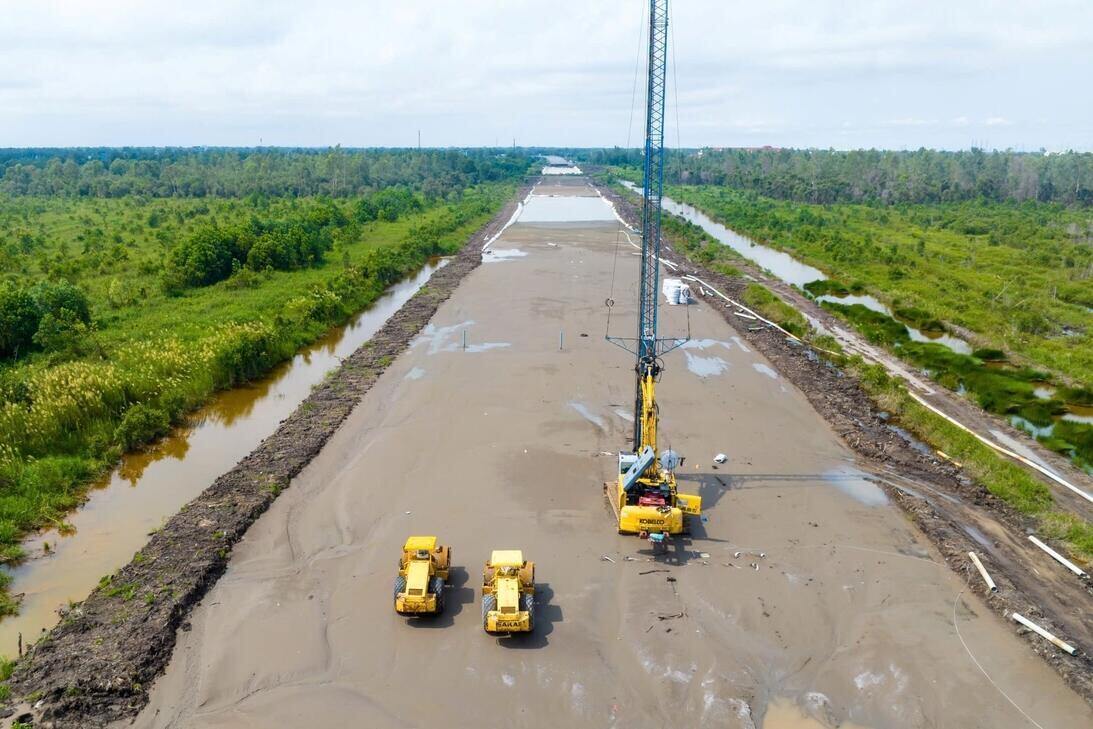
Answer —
644 498
422 573
508 593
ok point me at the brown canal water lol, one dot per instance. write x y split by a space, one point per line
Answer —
148 487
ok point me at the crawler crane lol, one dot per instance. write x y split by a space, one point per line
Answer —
644 499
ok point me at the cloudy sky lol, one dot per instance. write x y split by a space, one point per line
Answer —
884 73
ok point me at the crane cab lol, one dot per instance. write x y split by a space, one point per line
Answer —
645 500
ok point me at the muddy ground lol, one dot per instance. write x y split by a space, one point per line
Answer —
837 612
97 664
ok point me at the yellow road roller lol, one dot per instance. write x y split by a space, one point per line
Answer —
508 593
422 574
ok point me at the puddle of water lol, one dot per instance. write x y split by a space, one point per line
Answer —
849 300
956 344
147 487
706 366
452 339
979 537
415 374
911 440
1029 427
855 485
1079 414
784 714
498 255
571 170
1044 392
588 415
566 209
765 370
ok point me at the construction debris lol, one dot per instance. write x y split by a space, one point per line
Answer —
1059 558
605 558
983 572
1040 631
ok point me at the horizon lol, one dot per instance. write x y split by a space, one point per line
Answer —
537 149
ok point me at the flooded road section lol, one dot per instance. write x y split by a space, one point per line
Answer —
149 486
805 600
788 269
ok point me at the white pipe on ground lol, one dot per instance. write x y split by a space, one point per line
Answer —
1037 629
1016 456
1058 557
738 305
983 571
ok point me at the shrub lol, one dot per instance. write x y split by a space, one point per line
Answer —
202 259
64 333
53 296
141 424
19 317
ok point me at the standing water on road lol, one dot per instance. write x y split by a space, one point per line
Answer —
788 269
149 486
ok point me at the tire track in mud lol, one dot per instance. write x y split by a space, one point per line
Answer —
1055 600
97 665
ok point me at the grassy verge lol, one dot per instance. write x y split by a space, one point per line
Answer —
759 298
65 419
990 380
1003 478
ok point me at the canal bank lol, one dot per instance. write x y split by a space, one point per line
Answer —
148 486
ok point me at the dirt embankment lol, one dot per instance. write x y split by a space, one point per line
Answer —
954 507
96 666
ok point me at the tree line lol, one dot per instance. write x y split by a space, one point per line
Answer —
877 176
231 172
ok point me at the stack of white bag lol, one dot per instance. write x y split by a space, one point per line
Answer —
675 291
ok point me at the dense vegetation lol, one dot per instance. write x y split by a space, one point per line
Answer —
119 315
177 172
877 176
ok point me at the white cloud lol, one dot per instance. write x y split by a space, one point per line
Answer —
363 72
